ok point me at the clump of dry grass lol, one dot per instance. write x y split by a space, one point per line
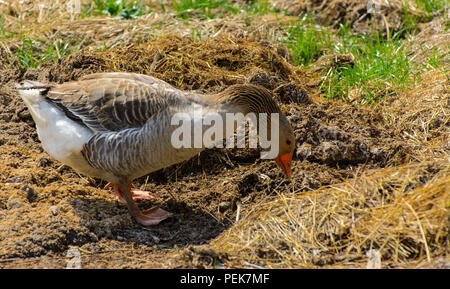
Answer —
433 41
422 116
192 64
202 64
402 212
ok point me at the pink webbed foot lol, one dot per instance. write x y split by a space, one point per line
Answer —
135 193
152 216
125 194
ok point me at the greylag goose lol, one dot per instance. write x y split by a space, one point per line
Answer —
116 126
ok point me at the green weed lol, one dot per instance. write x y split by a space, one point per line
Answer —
434 59
26 54
201 8
31 53
259 7
118 8
381 63
306 41
381 66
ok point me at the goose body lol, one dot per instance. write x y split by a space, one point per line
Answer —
117 126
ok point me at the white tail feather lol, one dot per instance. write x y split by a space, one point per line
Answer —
32 96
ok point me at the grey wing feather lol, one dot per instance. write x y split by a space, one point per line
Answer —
147 79
113 102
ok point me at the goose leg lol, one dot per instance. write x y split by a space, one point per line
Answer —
135 193
149 217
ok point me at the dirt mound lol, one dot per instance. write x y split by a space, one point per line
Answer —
362 16
325 135
187 64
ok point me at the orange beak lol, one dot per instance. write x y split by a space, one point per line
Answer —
284 162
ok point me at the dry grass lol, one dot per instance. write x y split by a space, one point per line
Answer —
402 212
193 64
422 117
50 23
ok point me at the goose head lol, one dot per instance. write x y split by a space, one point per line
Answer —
249 98
286 146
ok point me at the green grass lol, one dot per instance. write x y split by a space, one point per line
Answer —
26 54
381 67
381 64
202 8
196 34
434 59
31 53
258 7
186 9
432 6
307 42
2 28
123 9
208 9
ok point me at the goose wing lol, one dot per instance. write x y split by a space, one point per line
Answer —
147 79
114 101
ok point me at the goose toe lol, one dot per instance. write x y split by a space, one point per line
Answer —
135 193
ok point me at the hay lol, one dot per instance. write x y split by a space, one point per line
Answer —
402 212
422 117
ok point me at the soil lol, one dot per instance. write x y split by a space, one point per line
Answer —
47 208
